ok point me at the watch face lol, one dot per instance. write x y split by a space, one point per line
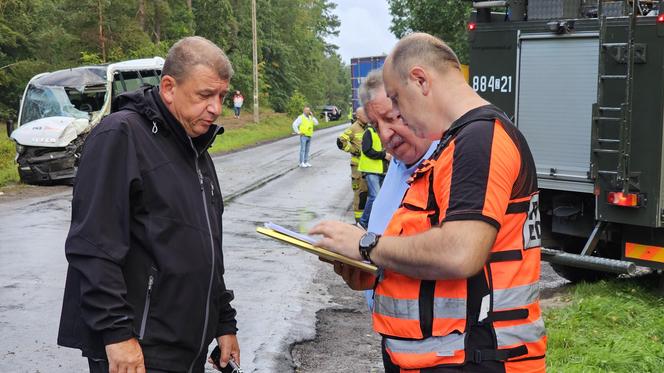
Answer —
368 240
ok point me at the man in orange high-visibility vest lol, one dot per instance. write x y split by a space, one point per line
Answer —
460 258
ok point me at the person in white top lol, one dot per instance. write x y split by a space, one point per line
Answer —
238 100
303 125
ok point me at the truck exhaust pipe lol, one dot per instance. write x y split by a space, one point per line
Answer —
588 262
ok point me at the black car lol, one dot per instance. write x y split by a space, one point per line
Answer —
332 112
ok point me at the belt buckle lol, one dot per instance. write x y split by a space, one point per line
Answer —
477 356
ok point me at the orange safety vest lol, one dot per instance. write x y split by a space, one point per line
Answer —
436 323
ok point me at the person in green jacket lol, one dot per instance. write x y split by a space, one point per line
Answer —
350 141
373 165
303 125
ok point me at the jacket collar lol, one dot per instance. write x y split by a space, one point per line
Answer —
171 124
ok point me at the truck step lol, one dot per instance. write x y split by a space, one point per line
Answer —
613 77
606 151
608 119
609 108
611 45
588 262
609 141
605 172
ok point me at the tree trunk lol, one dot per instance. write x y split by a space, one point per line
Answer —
141 14
192 24
102 41
157 22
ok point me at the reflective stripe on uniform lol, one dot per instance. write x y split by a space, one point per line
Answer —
518 296
441 346
407 309
519 334
447 345
449 308
455 308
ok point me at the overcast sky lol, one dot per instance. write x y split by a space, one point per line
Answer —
364 30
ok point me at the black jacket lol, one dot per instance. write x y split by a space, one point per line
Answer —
144 246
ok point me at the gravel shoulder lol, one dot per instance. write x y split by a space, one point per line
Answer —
16 192
345 341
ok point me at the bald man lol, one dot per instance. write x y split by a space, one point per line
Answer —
461 256
145 289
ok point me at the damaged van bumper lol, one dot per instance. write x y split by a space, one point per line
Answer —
47 165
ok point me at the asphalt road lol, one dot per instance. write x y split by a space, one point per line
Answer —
282 294
276 297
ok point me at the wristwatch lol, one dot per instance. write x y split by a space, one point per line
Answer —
368 241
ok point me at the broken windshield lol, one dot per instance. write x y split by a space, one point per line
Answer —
54 101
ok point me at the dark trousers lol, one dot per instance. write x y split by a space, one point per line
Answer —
101 366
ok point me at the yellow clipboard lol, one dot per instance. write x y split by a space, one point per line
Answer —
323 253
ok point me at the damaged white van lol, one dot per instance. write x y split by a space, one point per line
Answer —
58 110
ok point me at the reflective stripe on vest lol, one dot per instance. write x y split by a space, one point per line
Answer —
520 334
448 345
410 308
441 346
306 126
455 308
516 297
373 166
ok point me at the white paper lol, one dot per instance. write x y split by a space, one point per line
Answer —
288 232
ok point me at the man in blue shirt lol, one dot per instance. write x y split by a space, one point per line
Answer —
399 140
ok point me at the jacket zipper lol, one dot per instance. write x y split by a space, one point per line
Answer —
207 218
146 308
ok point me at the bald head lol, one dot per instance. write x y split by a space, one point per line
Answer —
424 50
193 51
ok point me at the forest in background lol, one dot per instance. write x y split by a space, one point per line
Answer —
294 58
296 64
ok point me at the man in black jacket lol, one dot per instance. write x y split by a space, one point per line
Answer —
145 288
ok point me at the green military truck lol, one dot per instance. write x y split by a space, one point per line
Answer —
584 82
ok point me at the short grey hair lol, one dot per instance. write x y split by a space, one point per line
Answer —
425 49
191 51
372 83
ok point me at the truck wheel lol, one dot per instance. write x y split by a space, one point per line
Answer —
574 245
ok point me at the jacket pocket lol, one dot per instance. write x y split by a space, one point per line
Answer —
146 308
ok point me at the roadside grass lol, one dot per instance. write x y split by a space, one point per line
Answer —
8 170
275 127
609 326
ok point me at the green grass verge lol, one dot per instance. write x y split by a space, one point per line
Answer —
8 170
609 326
275 127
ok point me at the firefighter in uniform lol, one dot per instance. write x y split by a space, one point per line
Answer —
350 141
460 259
